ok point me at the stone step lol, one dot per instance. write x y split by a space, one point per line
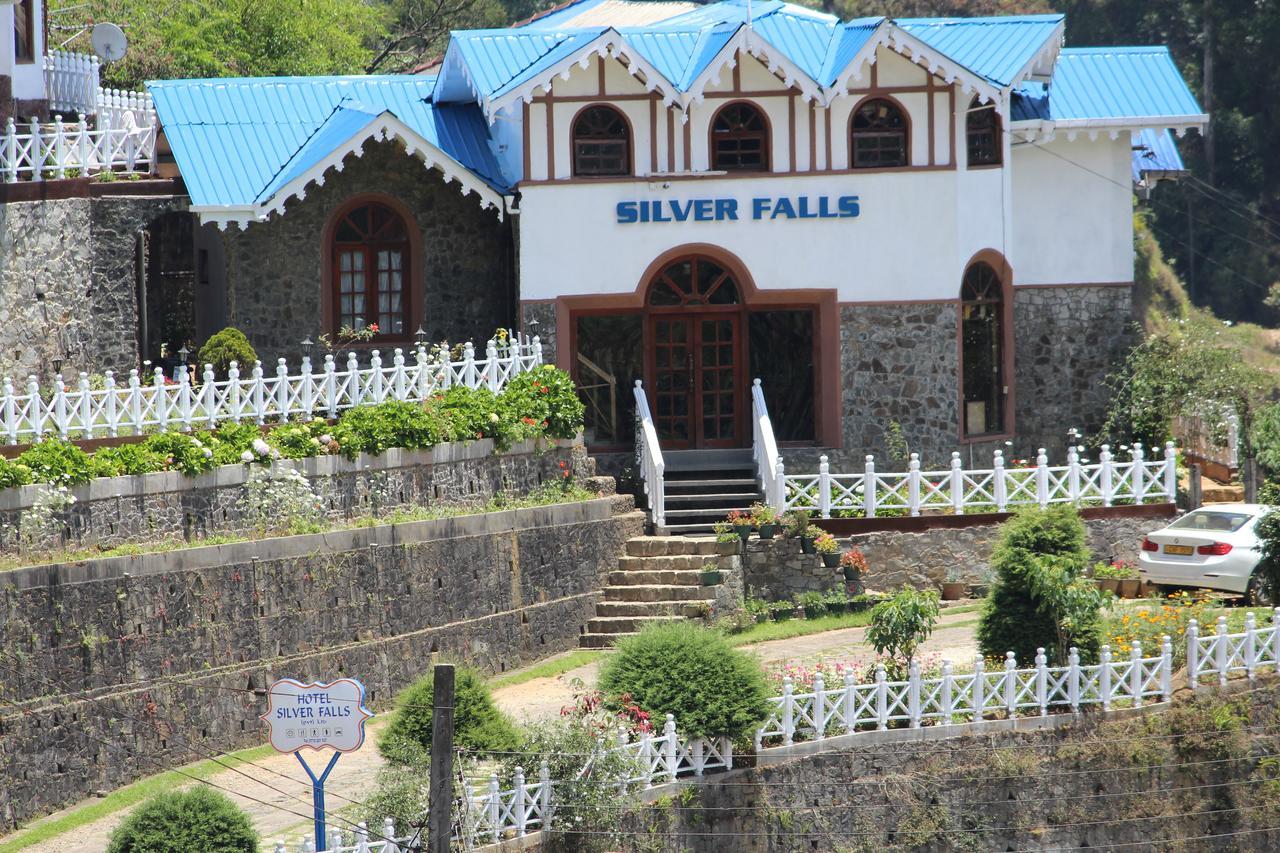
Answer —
659 546
675 577
625 624
658 592
606 609
665 563
676 503
712 515
687 529
599 641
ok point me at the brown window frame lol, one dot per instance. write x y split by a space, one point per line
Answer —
995 157
27 8
869 133
577 137
983 286
716 137
374 241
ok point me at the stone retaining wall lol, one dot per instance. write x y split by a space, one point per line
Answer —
110 511
113 669
921 559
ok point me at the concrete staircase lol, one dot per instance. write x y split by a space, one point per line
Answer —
657 580
704 486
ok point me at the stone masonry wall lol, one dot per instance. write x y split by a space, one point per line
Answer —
114 669
115 510
68 288
273 268
922 560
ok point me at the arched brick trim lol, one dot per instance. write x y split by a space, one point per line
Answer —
906 120
631 140
417 276
768 134
1004 272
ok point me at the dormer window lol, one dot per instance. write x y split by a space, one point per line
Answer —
739 139
601 143
24 31
879 135
982 130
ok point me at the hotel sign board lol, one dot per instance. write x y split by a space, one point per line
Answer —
732 210
316 715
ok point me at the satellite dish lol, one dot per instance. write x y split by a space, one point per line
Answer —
109 42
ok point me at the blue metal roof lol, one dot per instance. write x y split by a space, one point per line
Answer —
996 48
238 140
804 39
848 39
1109 84
1154 150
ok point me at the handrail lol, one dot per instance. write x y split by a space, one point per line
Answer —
649 458
764 450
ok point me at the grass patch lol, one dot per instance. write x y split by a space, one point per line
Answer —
800 627
546 669
51 827
963 608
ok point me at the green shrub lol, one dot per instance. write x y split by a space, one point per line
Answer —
199 819
900 625
395 423
298 441
1268 532
125 459
230 440
1040 597
694 673
225 347
13 474
478 724
546 397
179 451
56 461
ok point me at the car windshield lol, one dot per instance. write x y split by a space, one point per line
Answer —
1228 522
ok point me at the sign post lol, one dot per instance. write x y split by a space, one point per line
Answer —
328 715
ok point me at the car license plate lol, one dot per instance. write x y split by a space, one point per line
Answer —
1183 550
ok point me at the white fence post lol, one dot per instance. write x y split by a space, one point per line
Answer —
1170 471
1193 654
1105 474
957 484
1042 682
824 487
112 416
850 700
1073 680
1250 646
491 365
819 706
779 497
544 794
882 699
86 406
1221 659
389 833
869 487
519 812
1073 475
948 700
282 389
161 399
1104 677
493 805
1166 668
788 711
670 748
1135 673
59 408
1010 685
913 694
331 385
1137 474
398 374
913 484
1042 478
998 485
979 688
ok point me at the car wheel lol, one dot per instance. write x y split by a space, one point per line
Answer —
1257 594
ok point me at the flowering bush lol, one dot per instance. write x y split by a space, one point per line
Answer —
299 441
181 452
825 543
854 559
1149 624
56 461
833 672
546 397
46 517
278 499
13 474
1117 570
125 459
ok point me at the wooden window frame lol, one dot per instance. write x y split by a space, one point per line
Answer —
628 140
29 7
411 267
995 130
766 139
1004 276
854 133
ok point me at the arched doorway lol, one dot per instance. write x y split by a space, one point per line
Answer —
694 314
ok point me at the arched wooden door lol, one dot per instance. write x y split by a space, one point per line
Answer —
694 328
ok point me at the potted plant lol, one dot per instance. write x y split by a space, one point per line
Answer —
741 524
853 564
827 547
727 540
812 603
765 519
710 574
1130 583
836 600
781 611
1108 577
797 526
954 588
757 609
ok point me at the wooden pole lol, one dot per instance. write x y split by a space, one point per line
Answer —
440 814
1251 480
1195 487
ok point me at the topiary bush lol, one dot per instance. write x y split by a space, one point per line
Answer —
199 819
225 347
56 461
692 672
478 724
1040 597
545 398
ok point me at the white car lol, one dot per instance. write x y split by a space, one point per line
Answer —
1214 547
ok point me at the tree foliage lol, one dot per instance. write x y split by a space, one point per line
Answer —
1039 598
901 624
478 723
184 821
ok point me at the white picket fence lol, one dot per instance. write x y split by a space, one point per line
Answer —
994 489
134 407
1221 654
71 81
38 152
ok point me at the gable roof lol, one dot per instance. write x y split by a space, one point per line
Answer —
240 142
1000 49
1155 154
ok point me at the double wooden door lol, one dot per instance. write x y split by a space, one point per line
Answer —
697 375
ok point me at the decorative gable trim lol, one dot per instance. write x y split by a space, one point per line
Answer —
935 62
752 43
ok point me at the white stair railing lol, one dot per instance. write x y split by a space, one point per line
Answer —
764 451
649 458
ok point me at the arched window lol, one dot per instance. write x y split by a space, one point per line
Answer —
694 281
739 139
984 385
371 271
601 143
879 134
982 130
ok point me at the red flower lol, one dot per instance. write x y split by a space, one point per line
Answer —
373 327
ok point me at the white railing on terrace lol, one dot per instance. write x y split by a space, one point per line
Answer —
993 489
955 697
764 449
71 81
649 458
256 397
1200 437
38 152
1221 654
124 109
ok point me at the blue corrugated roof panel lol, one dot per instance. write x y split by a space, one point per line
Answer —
494 58
803 39
669 51
996 48
238 139
848 39
568 46
1154 150
1119 82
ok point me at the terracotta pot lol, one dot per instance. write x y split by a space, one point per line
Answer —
954 591
831 561
1129 587
1109 585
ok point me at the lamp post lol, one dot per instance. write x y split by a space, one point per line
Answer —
420 337
306 344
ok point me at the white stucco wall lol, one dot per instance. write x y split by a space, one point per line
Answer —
28 77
